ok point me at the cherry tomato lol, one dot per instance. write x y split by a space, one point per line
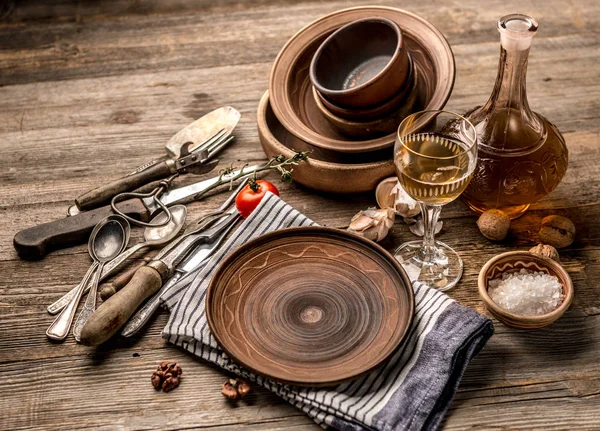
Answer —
252 194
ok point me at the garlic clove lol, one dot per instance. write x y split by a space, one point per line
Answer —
372 223
390 194
361 222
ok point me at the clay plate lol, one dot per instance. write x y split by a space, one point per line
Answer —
514 261
310 306
291 90
328 171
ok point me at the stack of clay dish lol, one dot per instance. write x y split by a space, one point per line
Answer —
361 76
289 118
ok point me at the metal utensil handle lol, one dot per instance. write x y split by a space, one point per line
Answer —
103 194
64 300
59 329
109 269
90 304
141 317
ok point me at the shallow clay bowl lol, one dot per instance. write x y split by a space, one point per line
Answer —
310 306
333 177
514 261
374 112
290 87
364 63
359 129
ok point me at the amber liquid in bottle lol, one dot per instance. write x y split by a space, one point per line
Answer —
522 156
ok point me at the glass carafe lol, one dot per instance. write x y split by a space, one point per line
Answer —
522 156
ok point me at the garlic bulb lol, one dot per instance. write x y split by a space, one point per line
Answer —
372 223
390 194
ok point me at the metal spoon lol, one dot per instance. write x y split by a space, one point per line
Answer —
104 250
107 238
153 236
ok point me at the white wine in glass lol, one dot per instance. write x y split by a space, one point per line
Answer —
435 156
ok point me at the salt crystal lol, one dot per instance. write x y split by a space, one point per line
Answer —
528 293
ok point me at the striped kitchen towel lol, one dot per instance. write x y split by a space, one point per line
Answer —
412 391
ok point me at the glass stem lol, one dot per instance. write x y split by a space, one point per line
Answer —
430 219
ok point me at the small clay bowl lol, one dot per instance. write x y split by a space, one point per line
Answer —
513 261
364 63
369 129
372 112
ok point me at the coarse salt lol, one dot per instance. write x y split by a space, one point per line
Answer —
528 293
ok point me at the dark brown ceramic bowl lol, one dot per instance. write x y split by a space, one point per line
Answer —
374 112
513 261
364 63
290 88
355 175
358 129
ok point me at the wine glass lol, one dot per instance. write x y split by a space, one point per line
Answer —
435 155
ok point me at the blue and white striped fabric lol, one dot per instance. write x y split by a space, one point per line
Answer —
411 392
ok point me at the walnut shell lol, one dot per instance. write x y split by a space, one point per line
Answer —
557 231
493 224
546 250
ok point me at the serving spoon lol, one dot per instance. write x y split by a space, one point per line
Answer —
103 250
153 236
108 238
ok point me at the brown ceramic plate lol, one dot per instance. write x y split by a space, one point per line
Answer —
325 170
291 90
310 306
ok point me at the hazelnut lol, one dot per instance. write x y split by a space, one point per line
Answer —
557 231
545 250
243 387
494 224
229 391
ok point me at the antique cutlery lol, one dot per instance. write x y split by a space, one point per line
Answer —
37 241
189 150
103 251
108 239
153 236
113 313
189 267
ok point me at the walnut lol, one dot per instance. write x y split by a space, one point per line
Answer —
545 250
243 387
170 383
166 376
229 391
557 231
494 224
157 379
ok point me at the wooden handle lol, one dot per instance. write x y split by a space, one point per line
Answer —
103 194
35 242
109 289
115 312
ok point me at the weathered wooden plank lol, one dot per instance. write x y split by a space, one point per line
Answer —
91 90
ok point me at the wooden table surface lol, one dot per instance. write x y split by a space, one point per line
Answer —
89 90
